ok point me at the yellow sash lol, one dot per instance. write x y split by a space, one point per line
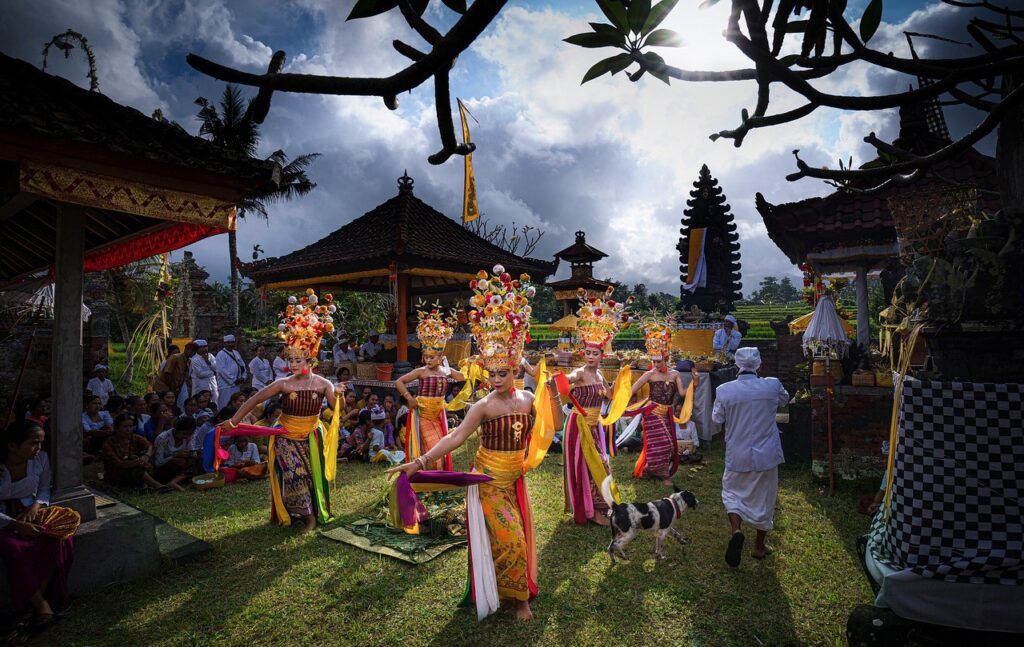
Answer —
622 391
543 424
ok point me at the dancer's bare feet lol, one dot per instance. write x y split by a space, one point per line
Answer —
760 552
667 482
523 611
600 519
310 524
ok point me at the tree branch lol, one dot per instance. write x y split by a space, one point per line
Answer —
986 126
419 25
984 4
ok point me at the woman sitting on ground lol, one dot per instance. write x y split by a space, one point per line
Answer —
97 425
271 414
127 457
37 563
203 399
171 400
175 459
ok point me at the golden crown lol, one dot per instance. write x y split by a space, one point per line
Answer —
304 322
600 319
501 317
658 336
434 329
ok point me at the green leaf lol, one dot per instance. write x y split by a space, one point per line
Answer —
656 58
458 6
610 31
616 13
595 39
637 14
613 64
369 8
664 38
796 27
707 4
870 20
658 14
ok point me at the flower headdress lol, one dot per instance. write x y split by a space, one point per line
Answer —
658 336
434 329
304 323
501 319
600 319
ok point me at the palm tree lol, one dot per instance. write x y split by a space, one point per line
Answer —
234 128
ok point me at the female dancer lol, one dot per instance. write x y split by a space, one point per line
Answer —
301 461
505 418
427 421
585 441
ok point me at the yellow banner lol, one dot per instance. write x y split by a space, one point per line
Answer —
693 259
470 212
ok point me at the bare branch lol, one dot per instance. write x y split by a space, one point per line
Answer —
984 4
419 25
407 51
750 123
986 126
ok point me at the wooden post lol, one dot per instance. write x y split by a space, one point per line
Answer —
863 324
402 325
66 379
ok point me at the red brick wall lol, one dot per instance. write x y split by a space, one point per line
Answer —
860 422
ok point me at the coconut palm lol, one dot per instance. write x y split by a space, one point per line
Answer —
233 128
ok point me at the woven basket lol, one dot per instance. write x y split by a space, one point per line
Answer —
924 219
366 371
862 378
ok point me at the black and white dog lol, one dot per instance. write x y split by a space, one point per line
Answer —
627 519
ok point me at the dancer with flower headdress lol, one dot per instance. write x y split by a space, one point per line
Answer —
516 429
587 438
659 458
302 453
427 422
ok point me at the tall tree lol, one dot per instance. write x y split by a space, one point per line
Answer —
235 128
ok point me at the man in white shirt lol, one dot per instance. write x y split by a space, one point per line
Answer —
231 372
99 385
280 364
242 453
370 349
753 451
343 351
727 338
260 368
202 371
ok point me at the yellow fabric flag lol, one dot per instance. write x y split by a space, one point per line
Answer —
693 254
470 212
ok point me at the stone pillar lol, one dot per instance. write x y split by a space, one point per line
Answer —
863 324
66 373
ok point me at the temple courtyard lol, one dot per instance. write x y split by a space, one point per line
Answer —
263 584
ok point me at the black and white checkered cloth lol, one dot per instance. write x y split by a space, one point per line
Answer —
957 509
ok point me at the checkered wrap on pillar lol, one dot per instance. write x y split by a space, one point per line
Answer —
958 489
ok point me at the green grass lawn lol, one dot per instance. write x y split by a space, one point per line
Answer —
264 584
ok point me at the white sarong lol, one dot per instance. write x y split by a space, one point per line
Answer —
751 495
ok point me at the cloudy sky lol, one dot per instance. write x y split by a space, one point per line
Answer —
614 158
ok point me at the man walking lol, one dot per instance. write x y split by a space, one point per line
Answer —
753 451
231 372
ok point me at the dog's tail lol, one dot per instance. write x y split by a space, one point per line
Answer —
606 491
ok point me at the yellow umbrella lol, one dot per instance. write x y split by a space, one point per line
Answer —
568 322
799 325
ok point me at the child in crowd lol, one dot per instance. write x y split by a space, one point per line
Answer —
190 407
204 425
244 456
171 400
364 400
175 459
355 446
377 451
687 442
203 399
126 457
115 406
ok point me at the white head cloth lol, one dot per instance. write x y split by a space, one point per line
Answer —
748 358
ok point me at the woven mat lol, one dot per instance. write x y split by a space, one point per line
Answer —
104 502
375 537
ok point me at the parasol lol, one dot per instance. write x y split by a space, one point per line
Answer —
825 335
568 322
